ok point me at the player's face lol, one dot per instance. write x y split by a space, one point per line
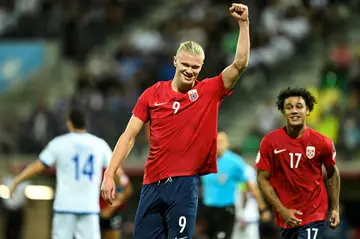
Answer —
188 67
295 110
222 143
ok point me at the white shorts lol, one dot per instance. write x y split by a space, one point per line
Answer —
66 226
251 230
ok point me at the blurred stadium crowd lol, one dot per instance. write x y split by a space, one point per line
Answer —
108 84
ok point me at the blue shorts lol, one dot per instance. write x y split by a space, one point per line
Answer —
168 209
313 230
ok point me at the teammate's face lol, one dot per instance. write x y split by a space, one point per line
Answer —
222 143
188 67
295 110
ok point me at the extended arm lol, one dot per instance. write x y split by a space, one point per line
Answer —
30 171
232 73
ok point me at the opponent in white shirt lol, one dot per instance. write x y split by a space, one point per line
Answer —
247 211
79 158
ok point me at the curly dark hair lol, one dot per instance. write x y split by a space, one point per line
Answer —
309 99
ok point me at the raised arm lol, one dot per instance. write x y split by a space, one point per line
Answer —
232 73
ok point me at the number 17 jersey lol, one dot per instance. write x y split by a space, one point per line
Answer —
79 159
295 167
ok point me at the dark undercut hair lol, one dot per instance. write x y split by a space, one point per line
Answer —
77 118
309 99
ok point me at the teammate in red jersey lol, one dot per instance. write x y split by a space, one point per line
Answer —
290 174
182 114
110 216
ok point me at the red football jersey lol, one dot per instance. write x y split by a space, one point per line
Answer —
183 128
295 167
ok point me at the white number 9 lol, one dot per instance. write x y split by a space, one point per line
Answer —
182 222
176 106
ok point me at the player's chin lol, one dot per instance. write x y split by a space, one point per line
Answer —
188 81
297 122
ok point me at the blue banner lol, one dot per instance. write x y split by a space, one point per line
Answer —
18 60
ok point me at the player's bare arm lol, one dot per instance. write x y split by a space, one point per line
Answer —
232 73
333 187
30 171
268 191
121 151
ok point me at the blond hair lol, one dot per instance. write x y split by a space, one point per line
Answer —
191 47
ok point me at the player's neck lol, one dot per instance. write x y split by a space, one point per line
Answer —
78 131
295 131
178 87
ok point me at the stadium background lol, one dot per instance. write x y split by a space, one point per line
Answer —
102 54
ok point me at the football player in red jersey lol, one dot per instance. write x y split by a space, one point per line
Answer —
110 216
182 115
290 174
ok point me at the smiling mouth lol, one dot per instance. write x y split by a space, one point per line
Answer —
295 117
187 77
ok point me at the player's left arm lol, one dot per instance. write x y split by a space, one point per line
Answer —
231 74
30 171
333 182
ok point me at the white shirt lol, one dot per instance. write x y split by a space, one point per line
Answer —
250 212
79 159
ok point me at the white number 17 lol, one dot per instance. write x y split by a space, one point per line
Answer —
298 155
315 230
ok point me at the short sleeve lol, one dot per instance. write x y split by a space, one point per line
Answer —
141 109
107 155
48 155
217 87
264 155
329 155
240 171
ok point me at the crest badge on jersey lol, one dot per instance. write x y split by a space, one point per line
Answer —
310 152
193 95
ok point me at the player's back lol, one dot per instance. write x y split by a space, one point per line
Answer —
295 167
80 159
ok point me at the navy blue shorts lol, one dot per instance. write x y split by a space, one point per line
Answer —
168 209
313 230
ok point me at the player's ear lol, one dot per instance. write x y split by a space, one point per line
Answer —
175 61
307 111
